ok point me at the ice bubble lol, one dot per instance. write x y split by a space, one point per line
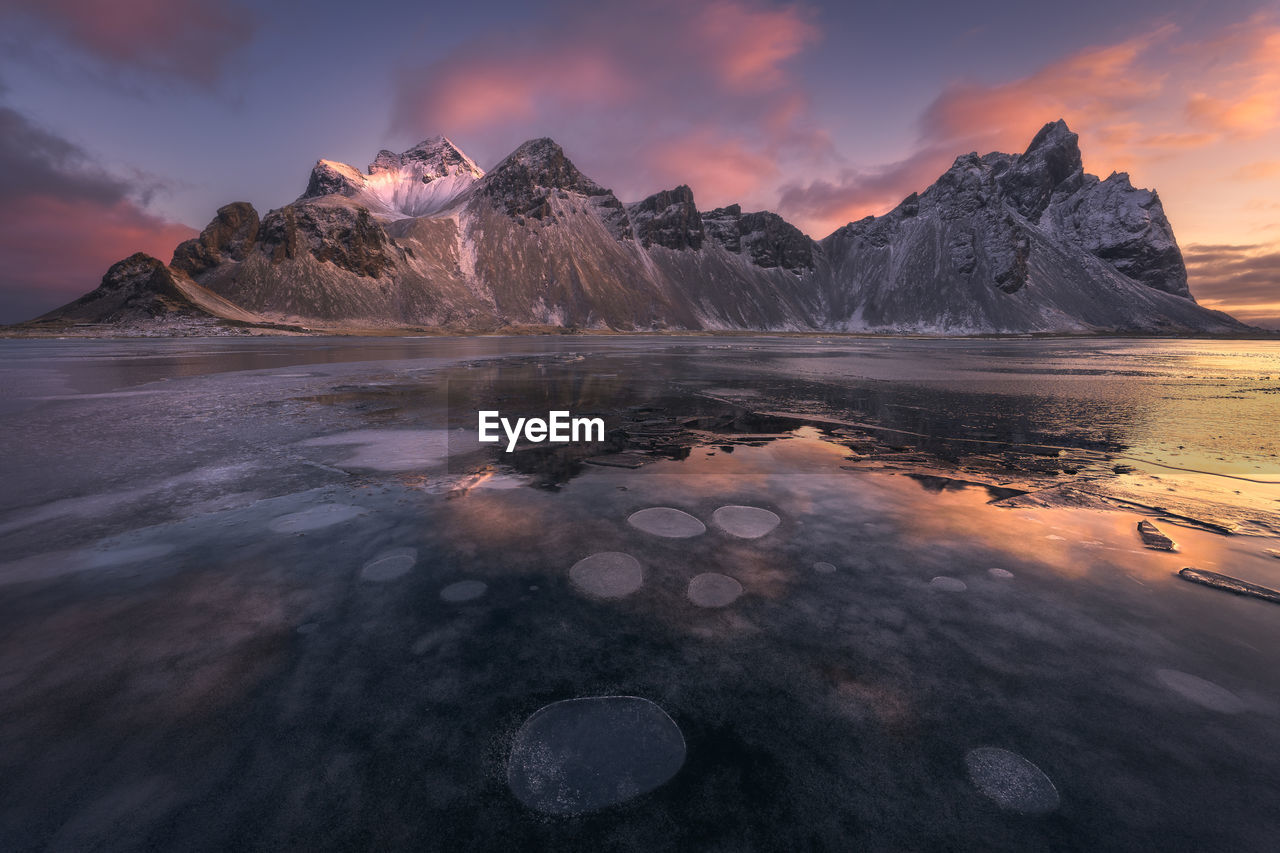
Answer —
948 584
745 522
1013 782
463 591
609 574
825 568
388 568
1203 693
315 518
668 522
714 590
1000 573
581 755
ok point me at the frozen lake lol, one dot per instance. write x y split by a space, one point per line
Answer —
845 593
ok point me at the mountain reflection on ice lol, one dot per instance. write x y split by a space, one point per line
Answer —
245 609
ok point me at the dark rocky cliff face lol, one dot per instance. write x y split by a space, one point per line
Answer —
347 237
228 237
766 238
669 218
524 183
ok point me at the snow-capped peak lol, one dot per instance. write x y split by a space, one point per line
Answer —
423 181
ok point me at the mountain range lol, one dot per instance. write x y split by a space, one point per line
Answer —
1002 243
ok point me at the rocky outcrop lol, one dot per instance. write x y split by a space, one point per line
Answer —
143 289
227 238
531 178
669 218
766 238
348 237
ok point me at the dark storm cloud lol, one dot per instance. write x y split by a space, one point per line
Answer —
189 39
63 220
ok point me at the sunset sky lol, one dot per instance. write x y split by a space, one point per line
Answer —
125 124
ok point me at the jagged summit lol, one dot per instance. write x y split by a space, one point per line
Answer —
430 159
530 181
426 180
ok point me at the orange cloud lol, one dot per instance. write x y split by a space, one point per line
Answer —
1127 101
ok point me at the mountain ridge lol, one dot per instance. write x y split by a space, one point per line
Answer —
1002 243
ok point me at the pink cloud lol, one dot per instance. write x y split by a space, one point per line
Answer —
188 38
643 96
64 220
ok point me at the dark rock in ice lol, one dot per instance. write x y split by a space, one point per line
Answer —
1230 584
1202 692
745 522
1153 538
1012 781
581 755
668 522
609 574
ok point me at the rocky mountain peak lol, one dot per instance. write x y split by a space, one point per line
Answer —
1050 164
669 218
524 184
432 158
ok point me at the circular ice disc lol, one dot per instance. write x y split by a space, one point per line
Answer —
1000 573
824 568
714 590
1011 781
463 591
668 522
948 584
745 522
315 518
609 574
387 568
580 755
1204 693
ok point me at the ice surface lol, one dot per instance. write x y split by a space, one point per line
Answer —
609 574
824 568
712 589
463 591
948 584
1012 781
388 449
316 518
745 522
581 755
1204 693
388 567
668 522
